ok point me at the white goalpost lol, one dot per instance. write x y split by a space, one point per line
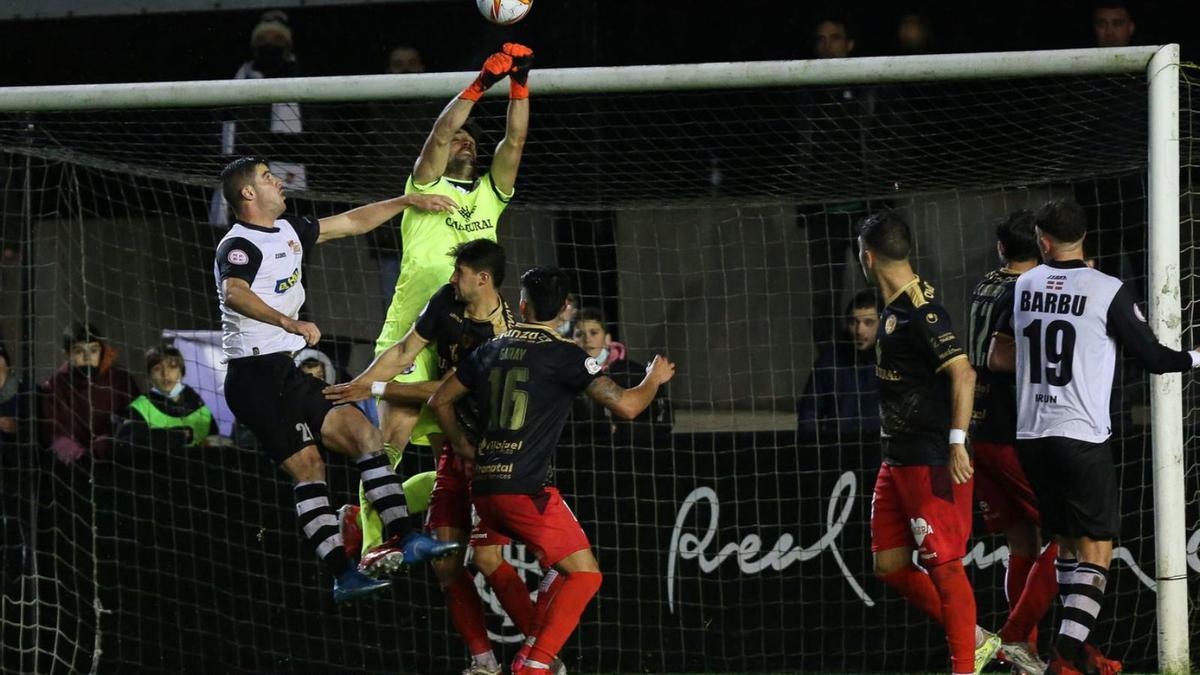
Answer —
639 186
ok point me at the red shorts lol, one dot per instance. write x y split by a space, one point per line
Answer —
543 521
920 507
1003 492
450 503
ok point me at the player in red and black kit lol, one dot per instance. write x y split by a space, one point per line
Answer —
922 496
1002 490
461 316
524 383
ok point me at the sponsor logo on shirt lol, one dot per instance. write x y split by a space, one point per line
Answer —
472 226
1055 282
282 285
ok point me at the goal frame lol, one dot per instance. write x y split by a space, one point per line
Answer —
1159 63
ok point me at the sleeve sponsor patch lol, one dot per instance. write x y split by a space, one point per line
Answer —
238 257
591 365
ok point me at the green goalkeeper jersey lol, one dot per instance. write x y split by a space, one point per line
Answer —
428 238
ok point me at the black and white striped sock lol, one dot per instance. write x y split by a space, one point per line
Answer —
1064 574
318 522
385 492
1081 608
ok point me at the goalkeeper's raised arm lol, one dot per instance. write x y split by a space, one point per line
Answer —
450 150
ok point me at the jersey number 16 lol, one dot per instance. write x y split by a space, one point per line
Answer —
508 406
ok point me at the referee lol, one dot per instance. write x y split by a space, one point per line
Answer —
260 290
1068 320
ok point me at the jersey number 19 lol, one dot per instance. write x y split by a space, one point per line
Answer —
1059 351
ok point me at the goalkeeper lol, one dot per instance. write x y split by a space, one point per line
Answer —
448 165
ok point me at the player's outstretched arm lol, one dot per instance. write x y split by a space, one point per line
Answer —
241 299
629 403
436 152
962 400
363 219
393 361
1135 335
442 404
508 154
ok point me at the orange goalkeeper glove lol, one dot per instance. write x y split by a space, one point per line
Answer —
494 69
518 76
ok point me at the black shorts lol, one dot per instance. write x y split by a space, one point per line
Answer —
282 405
1076 486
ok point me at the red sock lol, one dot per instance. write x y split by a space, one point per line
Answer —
563 615
918 589
546 595
467 613
958 609
1019 567
1040 588
513 595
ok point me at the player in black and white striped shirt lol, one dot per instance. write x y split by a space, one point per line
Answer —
1067 322
258 268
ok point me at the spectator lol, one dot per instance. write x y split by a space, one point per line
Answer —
592 335
1115 205
832 38
914 34
592 421
405 59
1112 24
171 404
841 400
273 56
13 403
840 121
318 364
76 405
14 435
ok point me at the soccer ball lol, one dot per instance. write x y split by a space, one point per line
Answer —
504 12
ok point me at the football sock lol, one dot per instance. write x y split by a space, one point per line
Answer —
958 609
383 489
466 611
563 614
918 589
318 522
1040 588
513 595
1082 605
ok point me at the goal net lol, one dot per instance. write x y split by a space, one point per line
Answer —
714 224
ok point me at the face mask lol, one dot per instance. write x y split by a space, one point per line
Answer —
175 391
603 358
269 59
84 371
